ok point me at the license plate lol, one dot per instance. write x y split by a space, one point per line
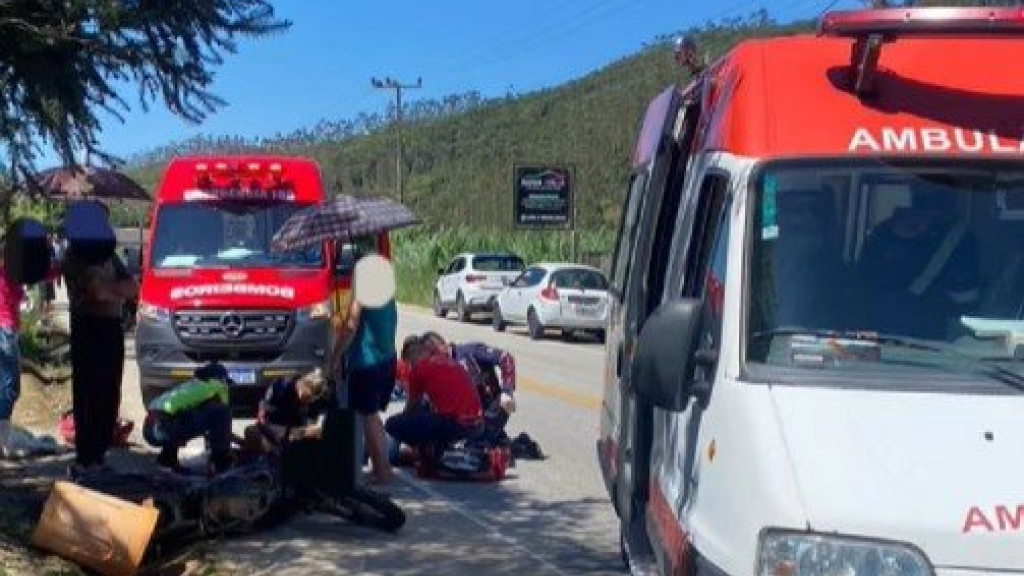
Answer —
243 376
585 310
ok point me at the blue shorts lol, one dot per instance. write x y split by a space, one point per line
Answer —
370 387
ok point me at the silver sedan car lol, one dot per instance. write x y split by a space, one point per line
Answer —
563 296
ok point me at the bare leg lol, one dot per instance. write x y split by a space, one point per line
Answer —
375 444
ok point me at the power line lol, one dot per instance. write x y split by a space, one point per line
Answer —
392 84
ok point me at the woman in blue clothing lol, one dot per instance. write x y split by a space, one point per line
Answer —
367 340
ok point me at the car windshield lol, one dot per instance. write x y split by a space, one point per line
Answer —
226 235
872 266
498 264
580 279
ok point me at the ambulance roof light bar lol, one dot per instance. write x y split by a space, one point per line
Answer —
894 22
872 28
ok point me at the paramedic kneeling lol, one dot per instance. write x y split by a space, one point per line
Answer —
455 412
198 407
289 413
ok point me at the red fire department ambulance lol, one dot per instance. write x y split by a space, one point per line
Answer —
212 288
815 355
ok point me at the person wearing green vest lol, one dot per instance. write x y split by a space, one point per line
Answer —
197 407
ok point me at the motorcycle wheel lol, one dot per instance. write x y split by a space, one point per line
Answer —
366 508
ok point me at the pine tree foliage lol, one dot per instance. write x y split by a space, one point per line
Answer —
62 63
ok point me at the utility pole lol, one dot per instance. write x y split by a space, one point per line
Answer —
392 84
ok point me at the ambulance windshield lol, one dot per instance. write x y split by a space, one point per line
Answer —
226 235
869 263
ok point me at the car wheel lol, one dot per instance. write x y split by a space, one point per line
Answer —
568 336
533 324
623 551
600 334
497 320
460 308
439 310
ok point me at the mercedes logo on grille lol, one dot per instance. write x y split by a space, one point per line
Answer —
232 324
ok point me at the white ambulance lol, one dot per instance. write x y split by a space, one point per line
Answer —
816 346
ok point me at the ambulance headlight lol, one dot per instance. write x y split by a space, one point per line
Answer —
151 313
318 310
784 553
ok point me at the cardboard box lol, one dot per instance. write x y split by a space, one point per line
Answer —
95 530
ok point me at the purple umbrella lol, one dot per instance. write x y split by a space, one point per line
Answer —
314 224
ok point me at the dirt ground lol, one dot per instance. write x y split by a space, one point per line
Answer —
24 486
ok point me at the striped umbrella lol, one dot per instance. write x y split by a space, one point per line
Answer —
314 224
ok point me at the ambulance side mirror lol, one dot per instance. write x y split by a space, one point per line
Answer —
665 354
344 261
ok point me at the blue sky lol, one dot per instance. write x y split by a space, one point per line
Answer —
321 67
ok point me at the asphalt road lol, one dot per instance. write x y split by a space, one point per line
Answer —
547 517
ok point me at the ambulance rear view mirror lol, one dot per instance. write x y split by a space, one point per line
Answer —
665 354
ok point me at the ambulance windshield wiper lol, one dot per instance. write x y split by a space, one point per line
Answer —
998 373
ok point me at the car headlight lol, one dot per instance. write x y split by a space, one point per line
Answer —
318 310
153 313
801 554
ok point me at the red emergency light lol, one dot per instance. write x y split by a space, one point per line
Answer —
251 175
871 29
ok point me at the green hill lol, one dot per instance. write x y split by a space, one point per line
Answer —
459 154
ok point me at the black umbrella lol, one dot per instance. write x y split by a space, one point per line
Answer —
87 182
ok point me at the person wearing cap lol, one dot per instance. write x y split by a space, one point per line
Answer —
199 407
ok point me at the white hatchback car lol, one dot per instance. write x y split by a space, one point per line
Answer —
471 281
569 297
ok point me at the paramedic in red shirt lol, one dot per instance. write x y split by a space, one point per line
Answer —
455 412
